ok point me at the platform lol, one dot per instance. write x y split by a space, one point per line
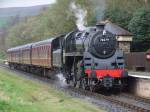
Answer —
139 84
144 75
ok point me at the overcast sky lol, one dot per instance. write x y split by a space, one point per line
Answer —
23 3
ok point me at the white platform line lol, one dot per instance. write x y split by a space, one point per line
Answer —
140 76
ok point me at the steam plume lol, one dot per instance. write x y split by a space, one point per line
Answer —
80 15
61 79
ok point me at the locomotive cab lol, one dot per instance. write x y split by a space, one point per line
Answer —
57 52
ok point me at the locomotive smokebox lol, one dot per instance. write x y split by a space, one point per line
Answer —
103 44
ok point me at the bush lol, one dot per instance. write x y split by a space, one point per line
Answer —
57 19
2 55
140 27
133 15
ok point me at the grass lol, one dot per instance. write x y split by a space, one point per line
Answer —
1 61
18 94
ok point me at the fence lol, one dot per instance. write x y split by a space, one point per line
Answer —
138 61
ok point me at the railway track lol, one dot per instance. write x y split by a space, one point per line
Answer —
137 98
112 99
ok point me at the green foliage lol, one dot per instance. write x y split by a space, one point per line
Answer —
121 12
4 106
134 16
140 27
57 19
3 21
2 55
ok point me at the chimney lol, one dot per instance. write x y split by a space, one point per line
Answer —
100 26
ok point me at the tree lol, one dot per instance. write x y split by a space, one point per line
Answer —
140 27
57 19
121 11
134 16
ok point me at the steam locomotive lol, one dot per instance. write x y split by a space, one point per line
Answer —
88 59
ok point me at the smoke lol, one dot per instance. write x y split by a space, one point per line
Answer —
80 15
100 6
62 80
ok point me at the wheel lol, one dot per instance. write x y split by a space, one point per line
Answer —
84 84
92 88
78 70
76 75
73 79
78 85
92 85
